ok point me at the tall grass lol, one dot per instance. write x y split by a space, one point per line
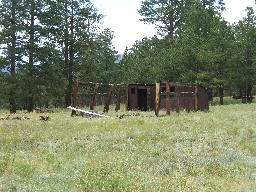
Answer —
213 151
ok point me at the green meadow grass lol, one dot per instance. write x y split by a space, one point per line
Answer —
203 151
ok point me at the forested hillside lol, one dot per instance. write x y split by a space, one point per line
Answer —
46 44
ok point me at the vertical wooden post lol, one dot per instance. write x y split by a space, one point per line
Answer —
74 96
168 99
93 99
178 102
196 98
158 96
148 98
108 98
127 98
118 98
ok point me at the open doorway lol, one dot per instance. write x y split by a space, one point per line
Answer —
142 99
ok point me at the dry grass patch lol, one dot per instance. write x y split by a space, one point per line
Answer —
212 151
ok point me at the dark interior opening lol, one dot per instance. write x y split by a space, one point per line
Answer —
142 99
133 90
172 89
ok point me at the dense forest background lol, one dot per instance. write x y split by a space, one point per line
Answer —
45 44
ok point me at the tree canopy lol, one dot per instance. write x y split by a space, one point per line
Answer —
196 45
45 45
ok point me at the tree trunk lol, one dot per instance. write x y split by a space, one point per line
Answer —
31 58
68 90
249 93
71 57
67 63
221 94
12 100
30 105
244 90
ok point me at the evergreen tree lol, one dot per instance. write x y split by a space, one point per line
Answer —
169 15
142 62
97 62
72 25
244 60
10 24
46 44
209 43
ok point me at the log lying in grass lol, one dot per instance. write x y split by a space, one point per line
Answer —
9 117
89 113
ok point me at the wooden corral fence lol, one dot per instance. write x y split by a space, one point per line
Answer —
176 97
88 94
162 95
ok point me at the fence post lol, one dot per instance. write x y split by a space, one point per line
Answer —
108 98
93 99
148 98
127 98
168 99
196 98
157 99
119 93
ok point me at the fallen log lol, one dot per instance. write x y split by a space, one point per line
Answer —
89 112
10 117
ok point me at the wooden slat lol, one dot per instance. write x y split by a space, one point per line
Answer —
177 104
93 99
118 99
196 98
158 97
108 98
148 98
178 94
127 98
168 99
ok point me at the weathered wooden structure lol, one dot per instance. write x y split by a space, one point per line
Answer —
141 97
167 95
162 95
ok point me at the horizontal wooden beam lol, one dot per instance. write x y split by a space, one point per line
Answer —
178 94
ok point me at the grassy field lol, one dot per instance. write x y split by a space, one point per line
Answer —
213 151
